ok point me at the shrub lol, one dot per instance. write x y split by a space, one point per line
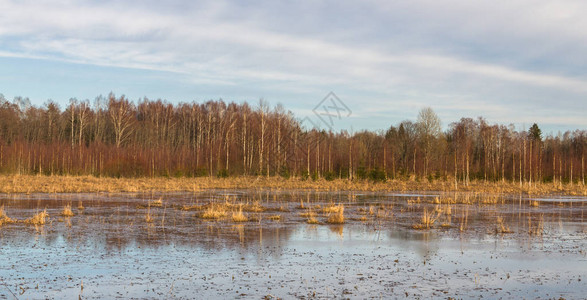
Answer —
330 176
222 173
377 175
284 172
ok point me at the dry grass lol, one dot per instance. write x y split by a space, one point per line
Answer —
38 219
156 203
191 207
534 203
80 205
311 217
501 227
336 214
239 216
4 219
214 211
537 228
67 212
274 217
254 207
77 184
148 217
427 221
312 220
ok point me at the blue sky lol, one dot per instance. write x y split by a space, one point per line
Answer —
517 61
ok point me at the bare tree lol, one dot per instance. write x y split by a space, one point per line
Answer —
429 130
122 117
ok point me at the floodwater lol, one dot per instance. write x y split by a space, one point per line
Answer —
480 246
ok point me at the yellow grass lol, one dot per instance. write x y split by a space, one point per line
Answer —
332 209
427 221
38 219
238 216
77 184
67 212
501 227
312 220
148 217
156 203
311 217
214 212
4 219
254 207
336 214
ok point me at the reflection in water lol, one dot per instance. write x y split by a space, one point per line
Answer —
375 253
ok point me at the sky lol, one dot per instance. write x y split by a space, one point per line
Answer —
516 61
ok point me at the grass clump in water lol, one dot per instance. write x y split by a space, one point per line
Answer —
214 212
67 212
4 219
156 203
501 227
38 219
274 217
239 216
426 221
336 214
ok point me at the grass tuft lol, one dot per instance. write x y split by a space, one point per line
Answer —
214 212
427 220
38 219
156 203
336 214
501 227
67 212
239 216
4 219
274 217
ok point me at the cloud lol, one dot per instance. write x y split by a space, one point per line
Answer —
495 57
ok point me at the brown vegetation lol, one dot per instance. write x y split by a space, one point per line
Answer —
239 216
501 227
335 214
115 137
214 211
67 211
38 219
4 219
428 219
78 184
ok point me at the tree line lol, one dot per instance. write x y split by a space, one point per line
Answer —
113 136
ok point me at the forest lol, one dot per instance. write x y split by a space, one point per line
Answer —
115 137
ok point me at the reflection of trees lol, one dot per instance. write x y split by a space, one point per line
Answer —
424 243
113 223
220 236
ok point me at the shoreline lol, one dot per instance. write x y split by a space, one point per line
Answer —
26 184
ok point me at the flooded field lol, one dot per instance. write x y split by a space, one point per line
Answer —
267 244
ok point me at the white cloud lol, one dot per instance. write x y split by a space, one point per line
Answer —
400 50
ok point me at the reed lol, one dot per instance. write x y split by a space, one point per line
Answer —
427 220
336 214
67 212
38 219
4 219
239 216
79 184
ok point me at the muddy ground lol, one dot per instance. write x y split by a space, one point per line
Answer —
478 246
